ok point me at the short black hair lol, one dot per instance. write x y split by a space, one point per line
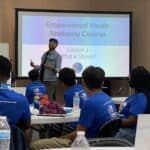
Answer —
93 77
140 81
140 78
53 40
67 76
34 74
5 66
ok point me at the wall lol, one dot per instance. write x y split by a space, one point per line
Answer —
141 20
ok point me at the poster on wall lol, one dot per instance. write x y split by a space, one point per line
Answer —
4 49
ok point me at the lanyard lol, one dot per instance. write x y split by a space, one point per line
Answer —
5 86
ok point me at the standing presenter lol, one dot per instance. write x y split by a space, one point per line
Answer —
49 67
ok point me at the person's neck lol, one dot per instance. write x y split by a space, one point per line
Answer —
51 50
94 91
3 84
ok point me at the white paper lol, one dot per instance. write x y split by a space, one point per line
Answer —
4 49
142 141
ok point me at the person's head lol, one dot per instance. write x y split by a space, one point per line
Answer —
34 75
53 43
5 69
67 76
139 78
92 78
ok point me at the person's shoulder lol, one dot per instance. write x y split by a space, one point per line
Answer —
137 98
41 84
37 82
57 54
29 85
102 96
141 97
15 95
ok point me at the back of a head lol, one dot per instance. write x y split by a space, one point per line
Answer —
5 67
93 77
34 75
140 78
67 76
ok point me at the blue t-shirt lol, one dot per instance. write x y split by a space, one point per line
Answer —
96 111
134 105
69 93
15 106
33 87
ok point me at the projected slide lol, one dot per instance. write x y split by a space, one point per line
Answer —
84 39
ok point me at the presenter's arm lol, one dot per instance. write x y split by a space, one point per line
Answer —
34 66
58 64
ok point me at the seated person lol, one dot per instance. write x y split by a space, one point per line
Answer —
95 112
137 103
34 86
67 79
13 105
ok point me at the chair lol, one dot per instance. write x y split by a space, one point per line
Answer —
17 141
109 142
109 129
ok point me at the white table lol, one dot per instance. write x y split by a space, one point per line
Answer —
36 120
20 90
118 100
99 148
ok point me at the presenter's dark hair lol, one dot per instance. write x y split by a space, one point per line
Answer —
34 74
53 40
140 81
93 77
67 76
5 66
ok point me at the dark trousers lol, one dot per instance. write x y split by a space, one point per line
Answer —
50 88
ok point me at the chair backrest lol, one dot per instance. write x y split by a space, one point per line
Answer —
109 129
17 141
109 142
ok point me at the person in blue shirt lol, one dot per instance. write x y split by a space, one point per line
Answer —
67 78
137 103
35 86
95 112
13 105
98 108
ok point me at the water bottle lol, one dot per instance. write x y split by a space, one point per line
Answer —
80 142
36 98
4 134
76 102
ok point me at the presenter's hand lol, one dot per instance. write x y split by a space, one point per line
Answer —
49 66
32 64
